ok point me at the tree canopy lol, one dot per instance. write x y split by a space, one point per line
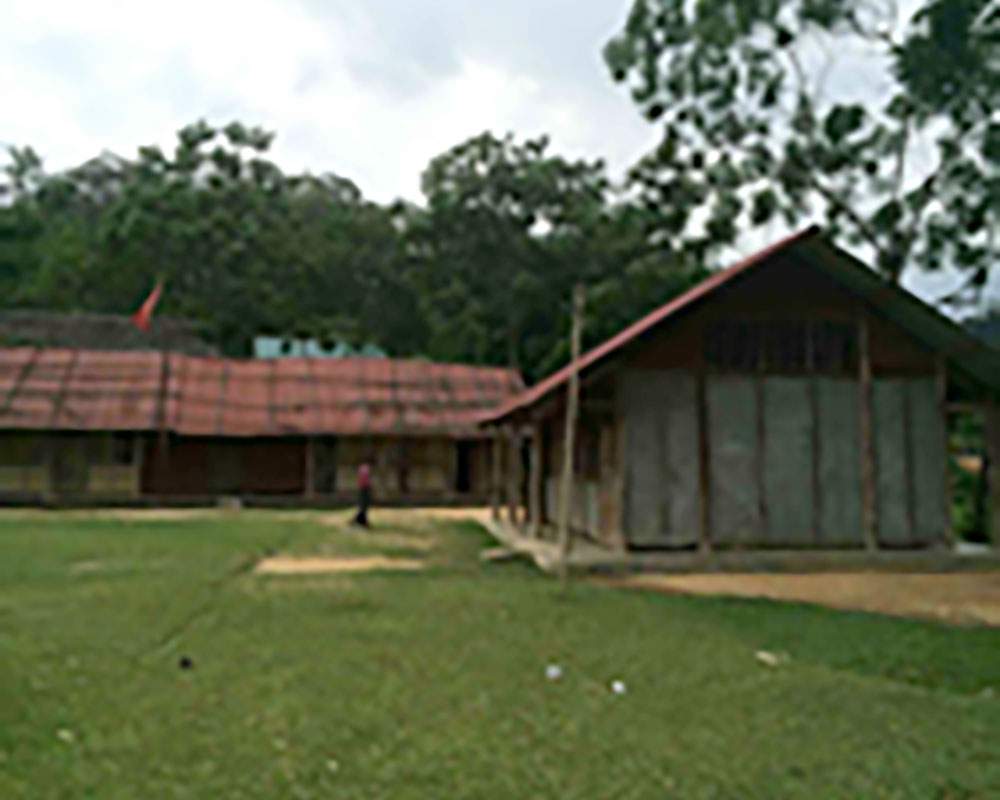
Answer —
757 127
482 271
902 162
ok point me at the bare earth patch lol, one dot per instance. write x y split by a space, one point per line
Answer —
286 565
958 598
407 516
386 541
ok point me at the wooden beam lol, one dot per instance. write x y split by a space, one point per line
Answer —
518 517
510 438
535 478
941 379
569 439
704 465
496 453
869 484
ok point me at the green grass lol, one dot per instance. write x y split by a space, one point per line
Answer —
431 685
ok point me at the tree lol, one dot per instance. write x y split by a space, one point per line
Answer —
20 222
243 248
482 273
508 229
480 254
750 133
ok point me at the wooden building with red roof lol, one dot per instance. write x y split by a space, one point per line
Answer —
144 426
795 400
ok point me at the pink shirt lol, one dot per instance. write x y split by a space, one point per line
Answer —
364 477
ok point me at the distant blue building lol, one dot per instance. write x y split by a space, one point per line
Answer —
279 347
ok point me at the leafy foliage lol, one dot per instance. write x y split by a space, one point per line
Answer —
482 272
750 134
508 229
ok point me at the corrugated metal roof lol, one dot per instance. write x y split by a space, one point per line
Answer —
83 390
979 362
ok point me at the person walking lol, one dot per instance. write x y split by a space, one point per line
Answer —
364 494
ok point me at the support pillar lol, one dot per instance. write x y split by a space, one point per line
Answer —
513 440
535 482
496 452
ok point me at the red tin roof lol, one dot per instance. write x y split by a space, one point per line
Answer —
61 389
941 334
531 396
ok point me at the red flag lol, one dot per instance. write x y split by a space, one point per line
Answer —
143 318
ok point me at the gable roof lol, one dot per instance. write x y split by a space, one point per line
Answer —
84 390
978 361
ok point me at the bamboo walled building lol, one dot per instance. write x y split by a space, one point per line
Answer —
795 400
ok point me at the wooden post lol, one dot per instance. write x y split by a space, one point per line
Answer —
993 475
704 466
496 452
511 439
310 467
941 376
569 438
520 516
869 485
535 481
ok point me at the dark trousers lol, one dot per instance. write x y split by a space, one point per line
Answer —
364 501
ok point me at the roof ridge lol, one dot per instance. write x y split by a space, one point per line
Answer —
532 394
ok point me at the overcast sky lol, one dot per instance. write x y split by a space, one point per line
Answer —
368 89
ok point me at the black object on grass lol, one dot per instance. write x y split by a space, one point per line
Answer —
185 663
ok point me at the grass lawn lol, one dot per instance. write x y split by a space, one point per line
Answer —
432 684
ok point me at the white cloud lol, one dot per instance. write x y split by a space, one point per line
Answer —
371 91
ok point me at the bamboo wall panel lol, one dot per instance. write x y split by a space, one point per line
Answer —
840 462
644 400
929 461
890 460
732 455
788 454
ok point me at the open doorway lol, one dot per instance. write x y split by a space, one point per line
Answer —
463 467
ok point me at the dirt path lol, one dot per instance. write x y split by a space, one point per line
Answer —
959 598
286 565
